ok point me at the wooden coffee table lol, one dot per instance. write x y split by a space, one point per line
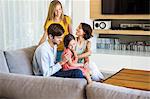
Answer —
136 79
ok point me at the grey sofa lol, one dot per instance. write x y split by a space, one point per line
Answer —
18 82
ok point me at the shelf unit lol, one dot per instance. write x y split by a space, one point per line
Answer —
107 60
123 32
112 61
122 52
95 13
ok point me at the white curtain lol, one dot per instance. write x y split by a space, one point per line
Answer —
22 21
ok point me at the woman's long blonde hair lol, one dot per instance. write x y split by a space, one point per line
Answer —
51 12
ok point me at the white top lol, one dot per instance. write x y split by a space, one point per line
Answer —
44 60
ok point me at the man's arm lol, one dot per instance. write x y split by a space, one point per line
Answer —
47 64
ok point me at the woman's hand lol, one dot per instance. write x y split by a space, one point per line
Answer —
86 65
75 53
64 59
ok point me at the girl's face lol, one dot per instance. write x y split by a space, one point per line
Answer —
72 44
79 31
58 10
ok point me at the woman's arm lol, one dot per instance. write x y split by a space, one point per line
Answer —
69 23
71 63
75 56
87 51
70 28
43 38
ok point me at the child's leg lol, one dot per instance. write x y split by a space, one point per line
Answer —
88 78
86 74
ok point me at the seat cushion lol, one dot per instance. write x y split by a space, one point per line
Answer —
3 64
20 61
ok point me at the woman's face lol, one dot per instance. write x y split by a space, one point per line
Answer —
79 31
72 44
58 10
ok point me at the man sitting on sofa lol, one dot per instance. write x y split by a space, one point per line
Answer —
44 59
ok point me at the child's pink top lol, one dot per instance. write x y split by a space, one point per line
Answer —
66 66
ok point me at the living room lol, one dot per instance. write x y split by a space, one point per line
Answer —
22 27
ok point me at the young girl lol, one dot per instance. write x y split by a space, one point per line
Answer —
70 43
56 15
84 33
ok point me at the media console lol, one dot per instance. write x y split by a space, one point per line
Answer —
121 24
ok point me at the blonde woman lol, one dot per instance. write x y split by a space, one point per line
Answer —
56 15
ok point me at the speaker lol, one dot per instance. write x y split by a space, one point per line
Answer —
102 25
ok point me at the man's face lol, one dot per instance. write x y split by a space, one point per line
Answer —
57 39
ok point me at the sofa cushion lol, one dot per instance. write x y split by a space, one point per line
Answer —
3 64
20 61
107 91
37 87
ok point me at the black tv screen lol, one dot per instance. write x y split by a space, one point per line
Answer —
125 6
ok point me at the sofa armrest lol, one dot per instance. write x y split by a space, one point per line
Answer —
107 91
14 86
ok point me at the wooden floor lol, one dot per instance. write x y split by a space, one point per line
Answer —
136 79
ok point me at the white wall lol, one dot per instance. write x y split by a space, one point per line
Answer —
22 21
81 13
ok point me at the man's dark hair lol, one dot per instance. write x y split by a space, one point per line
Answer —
55 30
88 31
67 39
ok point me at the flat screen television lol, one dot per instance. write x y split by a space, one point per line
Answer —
125 7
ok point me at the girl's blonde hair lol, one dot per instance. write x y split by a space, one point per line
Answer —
51 12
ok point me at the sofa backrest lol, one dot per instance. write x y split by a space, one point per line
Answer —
20 61
3 64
